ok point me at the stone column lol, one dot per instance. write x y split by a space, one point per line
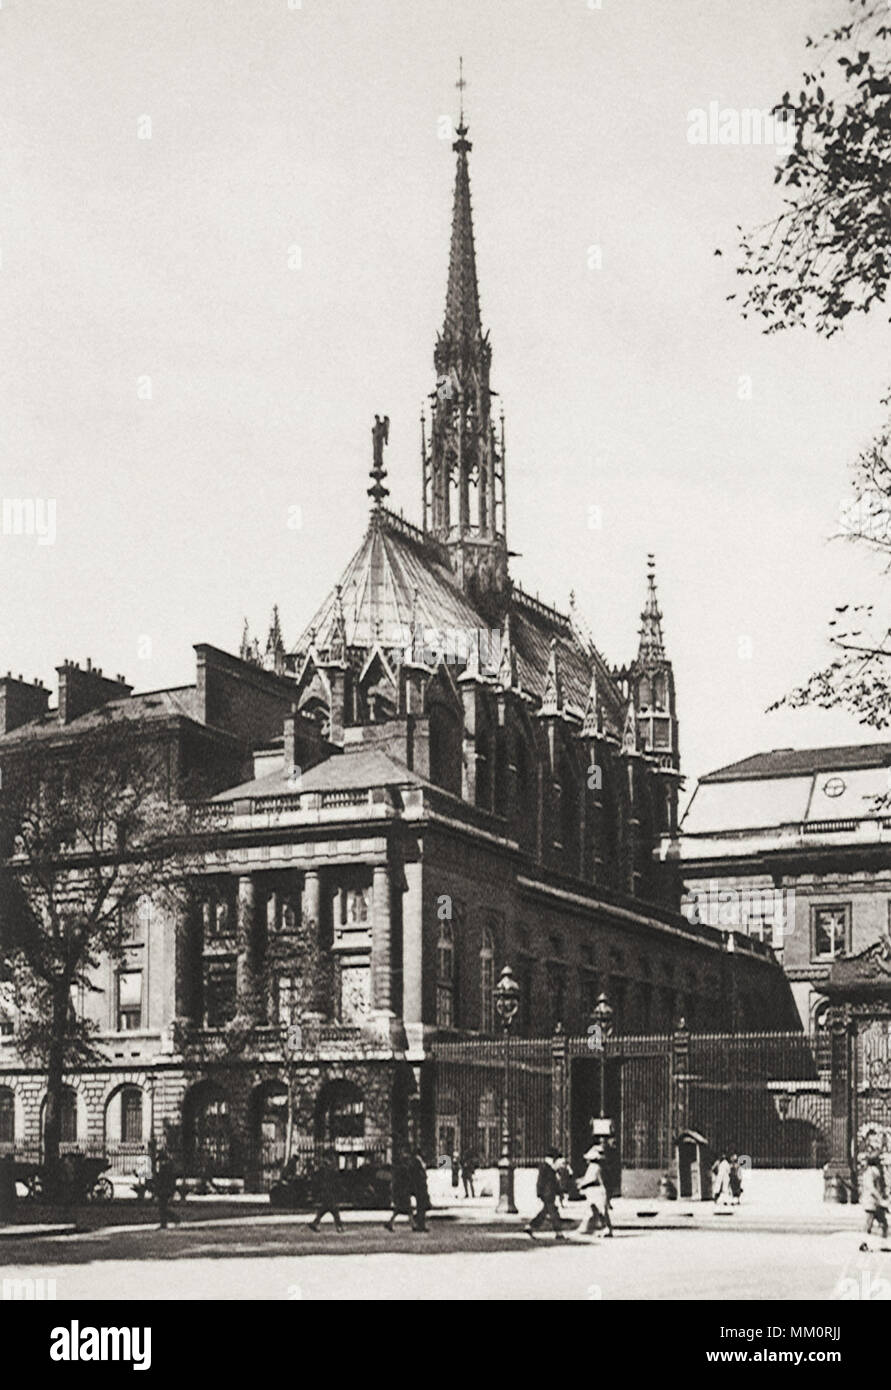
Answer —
381 943
312 922
248 975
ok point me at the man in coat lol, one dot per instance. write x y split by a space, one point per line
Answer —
401 1187
164 1187
326 1182
419 1190
547 1189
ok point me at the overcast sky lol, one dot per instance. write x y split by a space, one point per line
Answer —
167 264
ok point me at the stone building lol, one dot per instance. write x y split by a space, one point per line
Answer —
791 848
443 775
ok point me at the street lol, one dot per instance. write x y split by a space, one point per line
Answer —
278 1258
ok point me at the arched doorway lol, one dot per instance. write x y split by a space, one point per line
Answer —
269 1129
340 1122
207 1133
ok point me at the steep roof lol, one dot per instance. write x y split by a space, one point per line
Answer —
400 577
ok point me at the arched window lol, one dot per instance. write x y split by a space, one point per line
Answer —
502 782
527 796
445 976
7 1116
131 1115
487 981
569 817
69 1116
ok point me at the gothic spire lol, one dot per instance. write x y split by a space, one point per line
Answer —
652 647
462 312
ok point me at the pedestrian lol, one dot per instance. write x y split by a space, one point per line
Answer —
547 1187
721 1193
400 1191
736 1185
593 1184
874 1196
456 1173
325 1184
419 1190
164 1187
468 1168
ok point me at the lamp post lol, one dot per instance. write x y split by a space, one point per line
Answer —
507 1002
601 1028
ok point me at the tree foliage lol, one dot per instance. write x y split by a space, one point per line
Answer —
827 254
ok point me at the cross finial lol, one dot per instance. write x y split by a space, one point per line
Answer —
461 84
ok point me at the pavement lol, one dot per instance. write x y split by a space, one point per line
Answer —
279 1258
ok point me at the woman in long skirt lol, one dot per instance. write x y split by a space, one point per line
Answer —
594 1188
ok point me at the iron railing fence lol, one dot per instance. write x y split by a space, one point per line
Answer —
763 1095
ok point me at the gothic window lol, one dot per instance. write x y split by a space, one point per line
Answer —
445 976
569 817
830 931
501 806
527 795
660 691
644 695
487 981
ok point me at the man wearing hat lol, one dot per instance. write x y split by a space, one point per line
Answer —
547 1188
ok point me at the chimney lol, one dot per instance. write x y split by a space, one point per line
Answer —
20 702
82 690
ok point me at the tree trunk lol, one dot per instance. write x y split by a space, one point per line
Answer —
55 1080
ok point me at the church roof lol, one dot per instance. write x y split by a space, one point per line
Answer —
399 577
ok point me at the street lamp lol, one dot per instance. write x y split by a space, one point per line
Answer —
507 1002
601 1028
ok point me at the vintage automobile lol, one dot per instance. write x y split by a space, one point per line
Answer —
365 1186
82 1179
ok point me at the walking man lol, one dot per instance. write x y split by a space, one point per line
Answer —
165 1188
400 1187
874 1196
325 1182
419 1190
467 1171
547 1188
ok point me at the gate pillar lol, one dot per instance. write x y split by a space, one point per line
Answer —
560 1136
840 1173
